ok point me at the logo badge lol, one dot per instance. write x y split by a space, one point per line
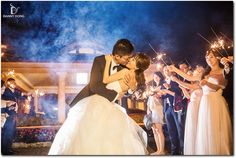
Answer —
14 10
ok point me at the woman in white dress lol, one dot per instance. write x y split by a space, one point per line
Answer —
96 126
155 106
214 133
193 105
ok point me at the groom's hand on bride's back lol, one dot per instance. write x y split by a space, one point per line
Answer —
129 80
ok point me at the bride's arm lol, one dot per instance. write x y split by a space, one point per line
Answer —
114 77
182 74
211 85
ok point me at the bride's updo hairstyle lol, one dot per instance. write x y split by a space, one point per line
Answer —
142 63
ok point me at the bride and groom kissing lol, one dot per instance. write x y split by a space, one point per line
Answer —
95 124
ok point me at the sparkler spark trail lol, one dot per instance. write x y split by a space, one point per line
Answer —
159 56
214 33
226 37
221 42
188 63
209 43
204 38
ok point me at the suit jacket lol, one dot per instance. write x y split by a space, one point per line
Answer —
169 100
13 96
96 85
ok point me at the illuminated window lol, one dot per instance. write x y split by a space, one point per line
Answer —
82 78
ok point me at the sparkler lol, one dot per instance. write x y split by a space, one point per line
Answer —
226 37
10 73
188 63
210 43
220 42
158 66
204 38
159 55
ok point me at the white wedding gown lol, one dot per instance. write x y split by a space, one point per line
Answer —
191 122
96 126
214 130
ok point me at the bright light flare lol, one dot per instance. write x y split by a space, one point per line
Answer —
3 46
159 66
41 93
29 98
11 73
36 91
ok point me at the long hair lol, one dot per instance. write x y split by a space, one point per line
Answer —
160 75
142 63
208 68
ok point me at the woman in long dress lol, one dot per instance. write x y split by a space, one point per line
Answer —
214 133
96 126
155 106
193 105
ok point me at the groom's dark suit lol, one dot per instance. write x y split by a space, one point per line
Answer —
96 85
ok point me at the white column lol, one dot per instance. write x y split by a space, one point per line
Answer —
36 103
61 97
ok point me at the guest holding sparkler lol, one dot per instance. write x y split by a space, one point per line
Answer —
228 91
176 133
11 94
155 106
214 133
193 107
181 107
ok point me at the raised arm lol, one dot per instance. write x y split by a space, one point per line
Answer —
212 85
182 74
184 84
96 84
185 92
114 77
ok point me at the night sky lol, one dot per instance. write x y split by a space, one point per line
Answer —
172 27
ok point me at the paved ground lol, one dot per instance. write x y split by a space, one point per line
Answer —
43 151
32 151
35 151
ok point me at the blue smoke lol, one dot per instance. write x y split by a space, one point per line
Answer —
49 27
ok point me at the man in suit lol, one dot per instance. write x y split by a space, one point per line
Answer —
228 92
174 127
181 101
11 94
121 53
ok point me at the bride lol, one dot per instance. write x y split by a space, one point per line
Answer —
96 126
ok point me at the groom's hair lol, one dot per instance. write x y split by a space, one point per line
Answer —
123 47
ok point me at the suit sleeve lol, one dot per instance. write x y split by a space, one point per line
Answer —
96 80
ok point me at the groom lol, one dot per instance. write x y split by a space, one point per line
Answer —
121 53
